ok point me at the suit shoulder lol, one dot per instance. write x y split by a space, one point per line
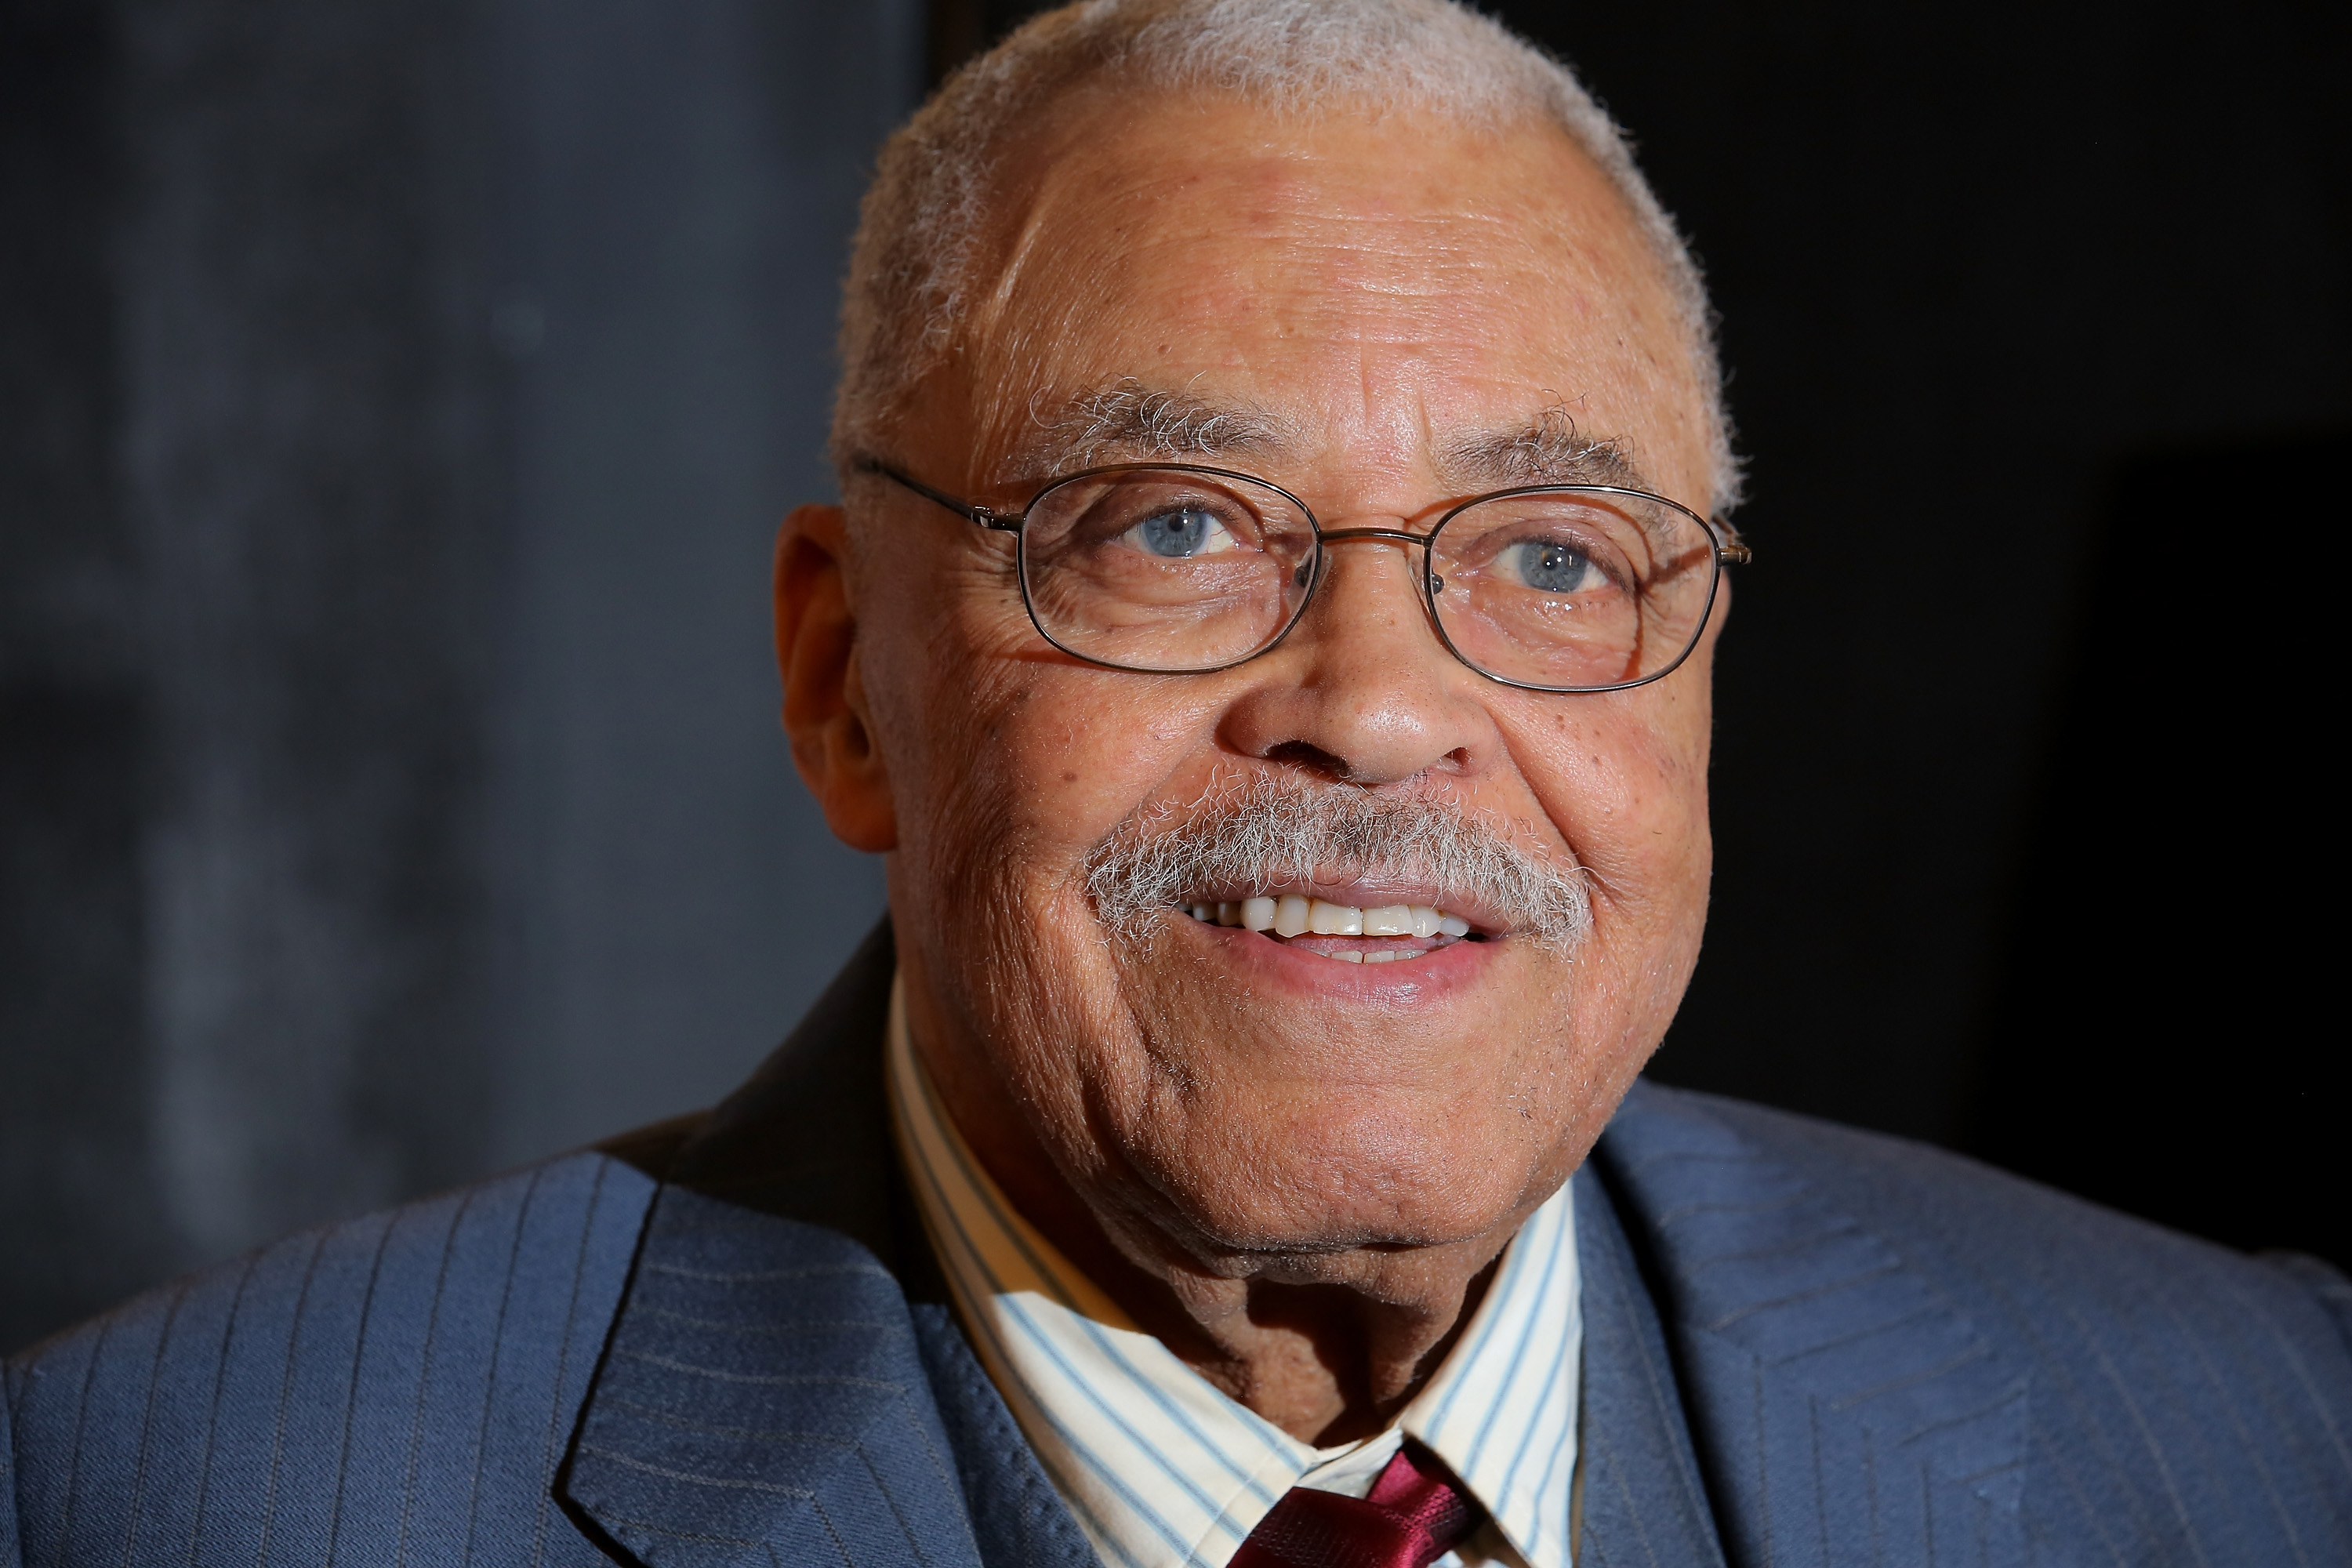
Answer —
1994 1237
2075 1375
413 1370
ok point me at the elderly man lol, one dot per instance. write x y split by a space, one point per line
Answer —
1268 631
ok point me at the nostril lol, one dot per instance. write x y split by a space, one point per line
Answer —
1312 757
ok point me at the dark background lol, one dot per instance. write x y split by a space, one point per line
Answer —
397 396
397 402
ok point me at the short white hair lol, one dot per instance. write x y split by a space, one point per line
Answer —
925 216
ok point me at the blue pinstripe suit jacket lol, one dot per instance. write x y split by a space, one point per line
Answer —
722 1342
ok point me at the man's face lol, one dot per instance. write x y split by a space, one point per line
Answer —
1383 309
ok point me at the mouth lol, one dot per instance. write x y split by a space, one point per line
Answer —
1345 933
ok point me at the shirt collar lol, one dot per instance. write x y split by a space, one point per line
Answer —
1160 1469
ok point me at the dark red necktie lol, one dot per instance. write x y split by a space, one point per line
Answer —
1414 1516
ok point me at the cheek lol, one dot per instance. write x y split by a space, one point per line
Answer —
1009 761
1623 779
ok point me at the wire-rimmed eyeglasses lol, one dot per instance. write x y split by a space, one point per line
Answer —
1174 569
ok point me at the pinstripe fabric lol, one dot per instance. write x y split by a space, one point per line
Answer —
762 1400
395 1390
1017 1517
1164 1470
1641 1500
10 1556
762 1396
1892 1356
1810 1345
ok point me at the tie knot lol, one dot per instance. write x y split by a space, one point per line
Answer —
1413 1515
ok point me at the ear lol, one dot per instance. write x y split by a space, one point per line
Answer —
825 716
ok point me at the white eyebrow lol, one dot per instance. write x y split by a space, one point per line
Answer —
1549 450
1131 420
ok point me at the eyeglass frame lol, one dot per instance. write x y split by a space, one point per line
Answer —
1725 549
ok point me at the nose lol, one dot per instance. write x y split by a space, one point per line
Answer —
1361 690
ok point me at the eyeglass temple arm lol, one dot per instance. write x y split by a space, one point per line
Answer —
982 515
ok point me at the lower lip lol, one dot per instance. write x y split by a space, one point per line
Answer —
1269 963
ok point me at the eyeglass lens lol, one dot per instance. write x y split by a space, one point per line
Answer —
1174 570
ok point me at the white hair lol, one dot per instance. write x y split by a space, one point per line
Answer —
1274 832
924 217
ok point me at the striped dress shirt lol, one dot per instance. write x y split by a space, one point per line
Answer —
1160 1467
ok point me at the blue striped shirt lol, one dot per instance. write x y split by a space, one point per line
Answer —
1162 1470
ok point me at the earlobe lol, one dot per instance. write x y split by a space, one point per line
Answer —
825 716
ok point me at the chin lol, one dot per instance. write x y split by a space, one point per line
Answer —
1366 1176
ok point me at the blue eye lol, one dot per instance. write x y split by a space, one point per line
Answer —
1181 534
1550 567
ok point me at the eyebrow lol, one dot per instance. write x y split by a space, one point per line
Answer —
1129 420
1549 451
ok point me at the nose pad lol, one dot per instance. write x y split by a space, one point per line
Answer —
1411 554
1412 550
1369 696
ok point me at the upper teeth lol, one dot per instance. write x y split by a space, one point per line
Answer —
1296 915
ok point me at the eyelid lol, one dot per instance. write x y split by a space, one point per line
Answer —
1229 541
1598 562
1594 541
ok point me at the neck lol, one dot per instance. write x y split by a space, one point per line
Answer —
1330 1359
1327 1345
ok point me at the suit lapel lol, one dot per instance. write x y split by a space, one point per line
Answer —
761 1396
1641 1501
1845 1409
1018 1517
766 1396
761 1399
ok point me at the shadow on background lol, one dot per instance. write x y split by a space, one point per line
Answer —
2029 309
2000 284
2165 1037
397 398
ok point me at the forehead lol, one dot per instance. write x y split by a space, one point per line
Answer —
1377 284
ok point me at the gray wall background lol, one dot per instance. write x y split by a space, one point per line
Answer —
397 402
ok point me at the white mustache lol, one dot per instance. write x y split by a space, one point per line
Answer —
1274 834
